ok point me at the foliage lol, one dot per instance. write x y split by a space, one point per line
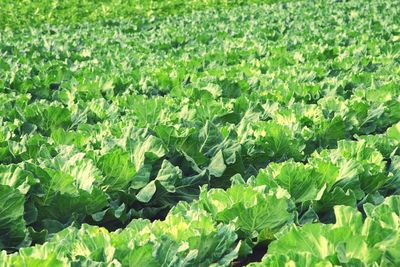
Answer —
190 133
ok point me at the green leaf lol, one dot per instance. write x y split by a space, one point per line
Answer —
168 175
12 224
147 192
141 256
301 181
217 165
251 209
117 168
151 148
15 176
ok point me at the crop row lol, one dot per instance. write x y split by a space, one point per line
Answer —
223 225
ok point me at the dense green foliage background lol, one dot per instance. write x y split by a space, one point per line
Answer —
192 133
27 13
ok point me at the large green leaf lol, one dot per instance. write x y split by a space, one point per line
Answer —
117 168
12 223
301 181
254 211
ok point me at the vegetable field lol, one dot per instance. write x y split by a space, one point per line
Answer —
199 133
